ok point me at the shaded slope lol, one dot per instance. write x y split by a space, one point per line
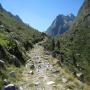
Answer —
76 43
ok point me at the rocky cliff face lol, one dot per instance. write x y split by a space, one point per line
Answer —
60 25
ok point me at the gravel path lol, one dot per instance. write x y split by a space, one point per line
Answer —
43 73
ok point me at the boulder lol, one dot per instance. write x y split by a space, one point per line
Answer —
55 71
37 83
2 63
64 80
6 82
2 26
47 52
50 83
28 61
15 61
80 76
30 72
20 88
10 87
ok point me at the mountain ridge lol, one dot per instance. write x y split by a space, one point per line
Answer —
60 25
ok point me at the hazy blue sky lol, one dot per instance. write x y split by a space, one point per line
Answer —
40 13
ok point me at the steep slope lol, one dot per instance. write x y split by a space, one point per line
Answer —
60 25
76 43
73 47
15 39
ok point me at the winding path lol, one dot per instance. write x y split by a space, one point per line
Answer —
43 73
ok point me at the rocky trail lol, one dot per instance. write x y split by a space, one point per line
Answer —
42 72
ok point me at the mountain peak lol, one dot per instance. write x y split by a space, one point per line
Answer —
71 15
60 25
0 5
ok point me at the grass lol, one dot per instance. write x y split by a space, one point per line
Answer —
6 74
18 72
75 46
3 40
13 37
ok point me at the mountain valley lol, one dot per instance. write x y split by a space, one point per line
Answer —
58 59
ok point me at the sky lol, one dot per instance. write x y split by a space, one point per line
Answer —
40 13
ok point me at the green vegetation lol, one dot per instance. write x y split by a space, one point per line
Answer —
72 48
3 40
16 38
75 45
5 74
